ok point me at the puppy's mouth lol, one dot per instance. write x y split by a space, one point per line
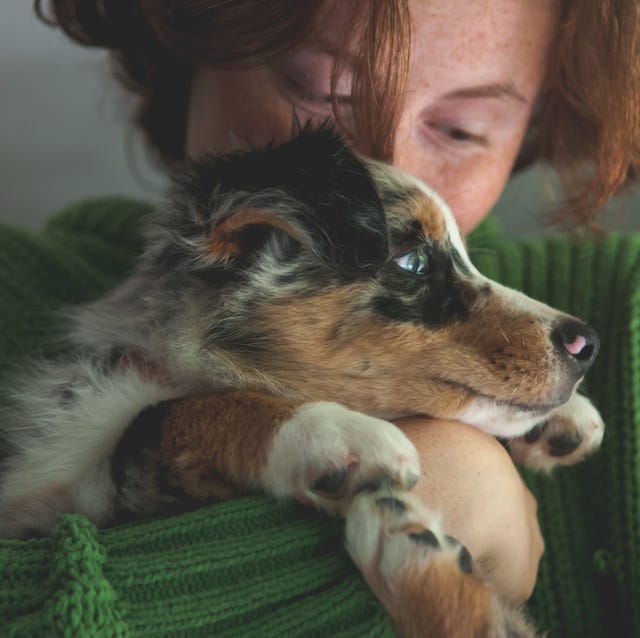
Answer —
534 409
538 408
497 416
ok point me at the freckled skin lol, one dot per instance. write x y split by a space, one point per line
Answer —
460 44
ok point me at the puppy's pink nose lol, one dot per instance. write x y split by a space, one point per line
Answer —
576 346
577 340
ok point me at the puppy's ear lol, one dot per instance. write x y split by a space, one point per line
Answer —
245 231
313 188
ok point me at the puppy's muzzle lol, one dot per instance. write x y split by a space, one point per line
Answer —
578 344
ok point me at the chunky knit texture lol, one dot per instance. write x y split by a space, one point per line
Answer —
254 567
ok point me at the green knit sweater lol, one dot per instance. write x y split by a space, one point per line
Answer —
253 567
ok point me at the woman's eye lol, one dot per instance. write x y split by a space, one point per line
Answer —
305 78
304 89
414 262
458 135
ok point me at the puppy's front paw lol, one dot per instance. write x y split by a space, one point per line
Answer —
427 581
571 432
326 453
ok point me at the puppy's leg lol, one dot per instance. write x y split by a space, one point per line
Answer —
426 580
228 442
570 433
60 428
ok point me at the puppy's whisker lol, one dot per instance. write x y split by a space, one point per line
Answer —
518 388
433 190
502 332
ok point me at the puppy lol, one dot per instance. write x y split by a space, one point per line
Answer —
290 302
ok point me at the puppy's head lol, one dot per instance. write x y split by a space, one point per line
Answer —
314 273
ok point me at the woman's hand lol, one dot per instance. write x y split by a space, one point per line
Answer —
470 479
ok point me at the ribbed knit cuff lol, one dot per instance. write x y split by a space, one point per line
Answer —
252 567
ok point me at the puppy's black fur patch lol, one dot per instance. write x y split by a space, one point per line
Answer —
314 181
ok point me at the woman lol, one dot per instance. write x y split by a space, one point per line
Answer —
457 93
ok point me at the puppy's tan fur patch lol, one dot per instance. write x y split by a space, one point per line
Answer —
201 441
429 215
429 606
225 240
331 347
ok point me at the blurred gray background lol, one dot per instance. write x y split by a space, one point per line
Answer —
64 131
64 134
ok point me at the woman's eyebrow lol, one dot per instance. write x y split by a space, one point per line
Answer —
499 90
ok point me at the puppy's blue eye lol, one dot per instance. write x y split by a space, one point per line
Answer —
414 262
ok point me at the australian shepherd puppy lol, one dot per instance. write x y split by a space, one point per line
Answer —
290 302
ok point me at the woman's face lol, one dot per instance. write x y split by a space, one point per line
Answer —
476 71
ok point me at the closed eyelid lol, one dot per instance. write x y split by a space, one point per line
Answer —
312 62
456 134
461 134
469 113
478 121
311 69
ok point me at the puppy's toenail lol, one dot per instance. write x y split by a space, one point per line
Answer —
330 483
394 505
411 481
535 433
426 537
465 561
564 444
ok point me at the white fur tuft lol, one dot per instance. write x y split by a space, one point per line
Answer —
62 444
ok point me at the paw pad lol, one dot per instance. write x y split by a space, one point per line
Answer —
331 483
570 432
563 444
535 433
426 537
465 562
